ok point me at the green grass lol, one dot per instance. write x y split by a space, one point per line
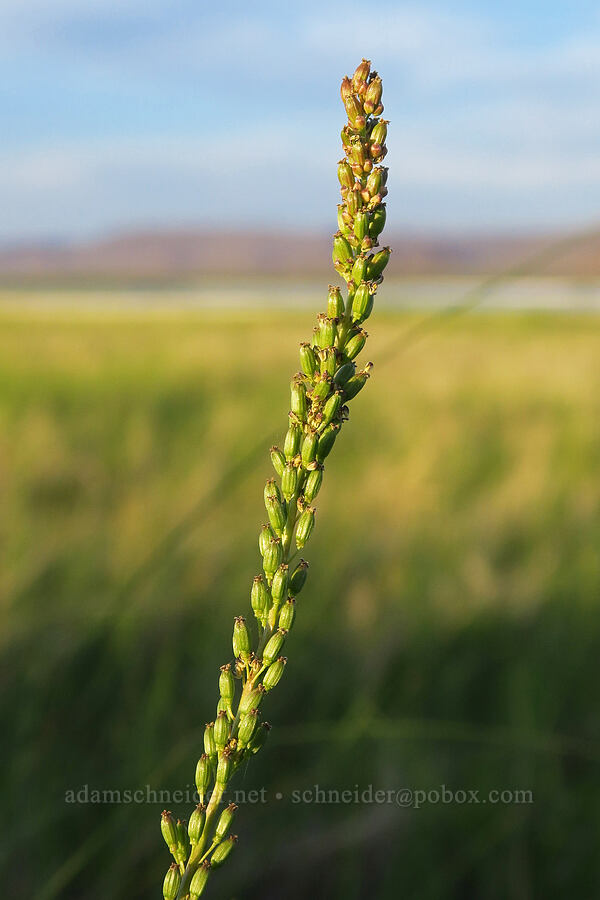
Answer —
449 633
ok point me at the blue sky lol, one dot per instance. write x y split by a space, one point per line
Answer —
166 114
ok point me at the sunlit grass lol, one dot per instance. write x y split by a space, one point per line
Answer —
456 579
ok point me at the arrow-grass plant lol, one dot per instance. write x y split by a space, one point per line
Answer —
320 393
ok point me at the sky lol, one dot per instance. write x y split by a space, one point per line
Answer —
147 114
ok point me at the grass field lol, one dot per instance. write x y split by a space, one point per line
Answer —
449 634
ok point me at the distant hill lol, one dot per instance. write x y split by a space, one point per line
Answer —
164 256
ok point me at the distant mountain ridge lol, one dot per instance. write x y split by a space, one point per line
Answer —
190 253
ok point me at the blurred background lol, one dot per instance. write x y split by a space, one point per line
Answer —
168 187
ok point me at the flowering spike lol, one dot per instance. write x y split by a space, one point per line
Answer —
320 394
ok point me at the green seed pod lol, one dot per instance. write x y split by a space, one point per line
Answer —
357 155
266 535
322 386
335 304
356 383
378 263
210 748
354 108
274 673
361 74
272 558
241 639
196 823
344 372
342 215
345 175
327 439
226 683
373 94
259 737
377 223
221 730
326 331
225 820
361 302
259 598
271 488
280 583
361 224
367 244
223 851
251 699
298 398
379 133
359 269
305 525
172 882
342 251
239 671
276 512
354 202
224 766
198 882
278 460
313 484
287 614
328 361
202 776
298 577
289 481
292 440
247 727
374 181
274 645
354 344
332 408
308 360
168 830
345 88
183 844
309 448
